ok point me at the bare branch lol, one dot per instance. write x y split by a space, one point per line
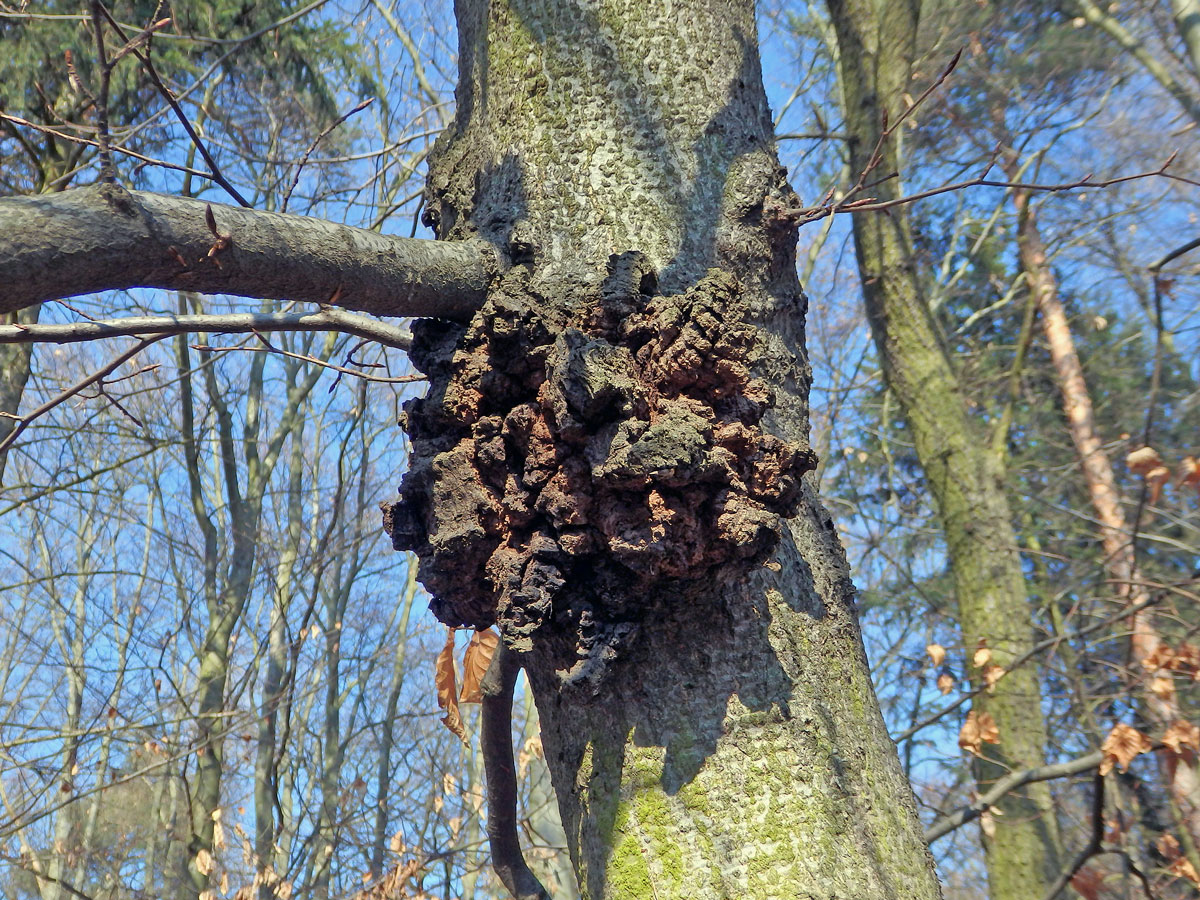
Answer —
1003 786
233 323
105 237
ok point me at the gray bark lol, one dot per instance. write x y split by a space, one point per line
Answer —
107 238
734 748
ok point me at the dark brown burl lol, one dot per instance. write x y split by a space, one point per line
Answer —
582 458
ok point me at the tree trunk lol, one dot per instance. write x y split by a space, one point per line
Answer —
1116 541
722 739
965 476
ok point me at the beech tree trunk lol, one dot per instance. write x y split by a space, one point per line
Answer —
735 748
966 477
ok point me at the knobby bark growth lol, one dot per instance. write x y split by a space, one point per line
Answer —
606 448
875 55
708 720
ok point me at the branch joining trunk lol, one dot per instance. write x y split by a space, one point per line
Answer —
709 723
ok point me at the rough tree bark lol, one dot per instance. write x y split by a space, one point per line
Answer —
708 722
876 43
608 446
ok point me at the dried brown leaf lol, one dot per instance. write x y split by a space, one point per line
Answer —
447 689
1088 882
983 654
476 660
1143 460
1156 478
1168 847
937 653
977 730
1183 868
1122 745
204 862
1189 471
945 682
992 674
1162 686
1181 736
1163 657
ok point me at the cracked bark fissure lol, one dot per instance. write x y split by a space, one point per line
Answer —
876 43
711 738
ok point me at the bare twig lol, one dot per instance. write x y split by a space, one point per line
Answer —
870 204
1095 843
313 146
341 370
1003 786
329 319
214 169
70 392
108 171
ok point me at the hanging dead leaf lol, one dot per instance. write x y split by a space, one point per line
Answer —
476 660
1187 660
983 654
1189 472
1183 868
987 823
937 653
1162 687
1143 460
992 674
224 882
1122 745
1155 479
1162 658
204 862
945 682
447 689
1168 847
977 730
1181 736
1088 882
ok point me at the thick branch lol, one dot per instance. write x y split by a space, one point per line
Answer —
107 238
231 323
496 741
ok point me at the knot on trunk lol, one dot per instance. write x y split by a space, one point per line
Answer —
586 453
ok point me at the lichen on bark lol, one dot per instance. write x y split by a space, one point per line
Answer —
589 450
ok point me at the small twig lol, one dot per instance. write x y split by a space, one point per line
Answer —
1021 660
313 146
341 370
108 171
1005 785
12 120
70 392
1095 843
214 170
824 209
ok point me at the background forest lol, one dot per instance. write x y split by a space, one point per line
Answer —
220 491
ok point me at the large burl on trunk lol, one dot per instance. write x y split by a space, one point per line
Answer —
595 465
611 460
